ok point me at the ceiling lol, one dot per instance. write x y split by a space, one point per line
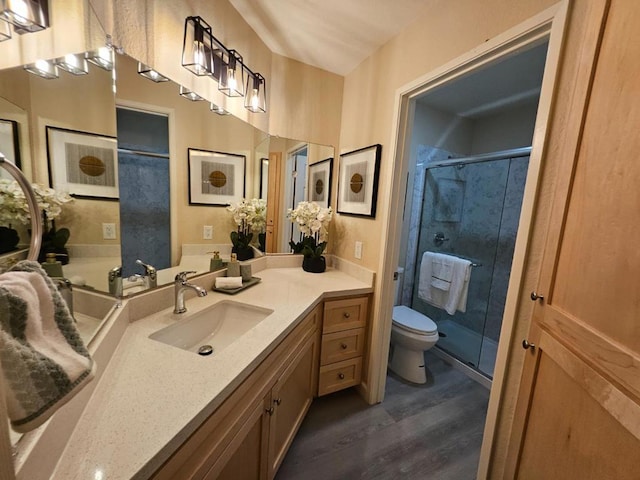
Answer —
509 82
335 35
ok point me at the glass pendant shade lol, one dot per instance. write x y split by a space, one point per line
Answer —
5 31
218 110
231 81
256 98
103 58
197 55
43 69
74 64
150 73
26 15
188 94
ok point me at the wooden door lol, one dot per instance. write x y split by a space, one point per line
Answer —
291 397
578 414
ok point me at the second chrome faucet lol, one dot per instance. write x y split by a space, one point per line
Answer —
180 286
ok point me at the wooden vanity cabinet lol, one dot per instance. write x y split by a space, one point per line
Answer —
343 340
247 437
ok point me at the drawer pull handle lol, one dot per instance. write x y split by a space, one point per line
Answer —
341 376
277 401
343 346
347 314
270 410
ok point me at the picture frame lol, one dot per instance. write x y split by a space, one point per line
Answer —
319 182
215 178
264 178
358 178
10 143
82 164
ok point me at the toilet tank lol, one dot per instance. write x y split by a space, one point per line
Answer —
398 278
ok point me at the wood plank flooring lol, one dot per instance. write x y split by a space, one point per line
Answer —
426 432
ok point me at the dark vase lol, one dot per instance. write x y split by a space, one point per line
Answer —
243 253
8 239
314 264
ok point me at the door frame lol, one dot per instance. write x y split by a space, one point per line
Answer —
550 24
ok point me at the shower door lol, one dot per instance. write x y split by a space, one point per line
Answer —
471 210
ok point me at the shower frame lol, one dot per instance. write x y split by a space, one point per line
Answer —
473 372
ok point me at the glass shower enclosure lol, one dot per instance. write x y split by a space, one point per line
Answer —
471 209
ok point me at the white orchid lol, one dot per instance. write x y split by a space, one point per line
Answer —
13 204
312 219
250 214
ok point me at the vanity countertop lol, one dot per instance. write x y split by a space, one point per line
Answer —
152 396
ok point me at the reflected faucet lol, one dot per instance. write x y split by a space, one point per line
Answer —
150 274
180 285
115 281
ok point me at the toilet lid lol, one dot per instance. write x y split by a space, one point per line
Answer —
413 321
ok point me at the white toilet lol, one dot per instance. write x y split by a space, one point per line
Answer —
412 333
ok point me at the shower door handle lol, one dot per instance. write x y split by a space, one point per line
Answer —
439 239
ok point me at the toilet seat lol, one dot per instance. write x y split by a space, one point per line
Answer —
412 321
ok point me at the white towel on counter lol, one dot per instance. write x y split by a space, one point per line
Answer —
43 359
444 281
228 282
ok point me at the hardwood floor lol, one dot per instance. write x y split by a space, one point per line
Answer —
427 432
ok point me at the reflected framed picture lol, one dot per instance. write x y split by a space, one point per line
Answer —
358 181
215 178
10 144
83 164
319 182
264 178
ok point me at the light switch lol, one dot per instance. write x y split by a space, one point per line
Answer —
358 252
109 231
207 232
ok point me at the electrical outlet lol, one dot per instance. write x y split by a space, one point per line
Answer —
358 252
109 231
207 232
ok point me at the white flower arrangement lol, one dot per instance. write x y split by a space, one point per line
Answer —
250 214
312 220
14 207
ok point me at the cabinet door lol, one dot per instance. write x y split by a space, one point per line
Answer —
579 406
246 456
290 400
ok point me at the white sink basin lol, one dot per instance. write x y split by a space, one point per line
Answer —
216 327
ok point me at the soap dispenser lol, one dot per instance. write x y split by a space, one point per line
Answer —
52 266
216 262
233 267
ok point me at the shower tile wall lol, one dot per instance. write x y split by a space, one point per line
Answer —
425 155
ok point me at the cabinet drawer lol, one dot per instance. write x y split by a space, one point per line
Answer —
340 346
345 314
340 375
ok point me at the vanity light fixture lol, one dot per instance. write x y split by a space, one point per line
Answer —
5 31
188 94
231 81
197 54
256 98
102 57
148 72
26 15
74 64
219 110
43 68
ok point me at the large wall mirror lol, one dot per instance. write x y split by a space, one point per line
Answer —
149 129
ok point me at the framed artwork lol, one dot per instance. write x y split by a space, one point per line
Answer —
10 143
82 164
264 178
319 179
215 178
358 181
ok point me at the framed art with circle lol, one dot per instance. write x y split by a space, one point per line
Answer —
358 181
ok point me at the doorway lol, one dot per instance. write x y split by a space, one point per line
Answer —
294 192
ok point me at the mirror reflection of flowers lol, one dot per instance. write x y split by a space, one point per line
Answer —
313 223
250 217
14 210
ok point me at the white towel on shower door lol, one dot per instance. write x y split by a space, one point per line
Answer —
429 285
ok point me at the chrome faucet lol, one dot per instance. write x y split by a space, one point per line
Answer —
150 274
180 285
115 281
